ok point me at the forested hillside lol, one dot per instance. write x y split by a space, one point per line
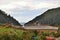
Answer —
50 17
6 19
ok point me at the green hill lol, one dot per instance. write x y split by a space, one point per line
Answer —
50 17
6 19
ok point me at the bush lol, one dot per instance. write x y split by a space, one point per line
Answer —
10 34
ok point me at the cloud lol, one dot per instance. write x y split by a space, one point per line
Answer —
26 15
32 4
20 9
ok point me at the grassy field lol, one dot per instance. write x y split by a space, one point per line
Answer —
10 33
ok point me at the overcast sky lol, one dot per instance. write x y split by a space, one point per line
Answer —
26 10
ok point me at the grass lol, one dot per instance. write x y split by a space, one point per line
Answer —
10 33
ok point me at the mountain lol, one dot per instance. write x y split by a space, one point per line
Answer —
7 19
50 17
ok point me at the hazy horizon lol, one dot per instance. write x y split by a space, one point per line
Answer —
26 10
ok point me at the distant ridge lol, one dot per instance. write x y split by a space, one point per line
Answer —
50 17
6 19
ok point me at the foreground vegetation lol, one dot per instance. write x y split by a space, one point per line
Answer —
9 33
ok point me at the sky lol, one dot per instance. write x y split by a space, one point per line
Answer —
26 10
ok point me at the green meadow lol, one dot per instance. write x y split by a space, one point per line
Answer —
10 33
